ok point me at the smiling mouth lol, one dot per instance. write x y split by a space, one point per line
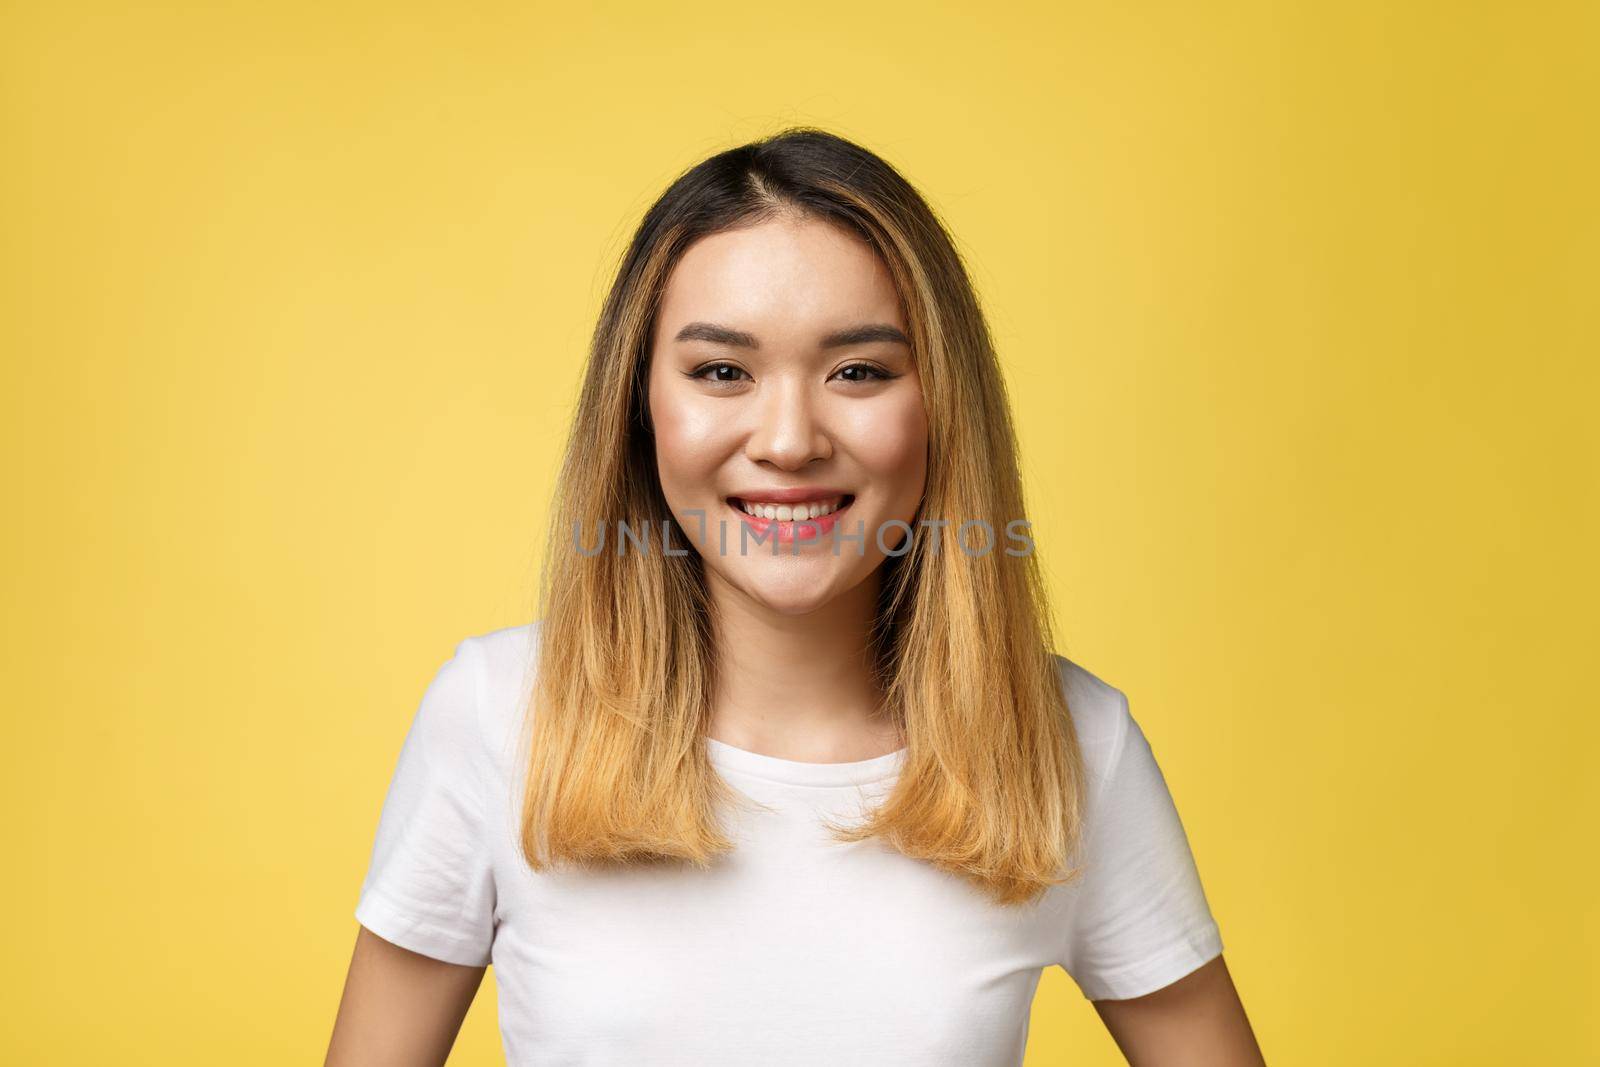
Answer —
805 511
786 525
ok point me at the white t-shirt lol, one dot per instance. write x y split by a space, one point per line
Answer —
797 949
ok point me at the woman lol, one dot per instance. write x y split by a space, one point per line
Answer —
800 780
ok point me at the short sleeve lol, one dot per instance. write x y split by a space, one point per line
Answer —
1139 919
430 883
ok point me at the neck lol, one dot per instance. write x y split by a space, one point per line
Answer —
798 687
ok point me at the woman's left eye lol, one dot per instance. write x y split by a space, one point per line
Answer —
865 372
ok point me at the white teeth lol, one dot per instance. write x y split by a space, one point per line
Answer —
791 512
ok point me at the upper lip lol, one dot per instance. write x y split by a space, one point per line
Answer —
788 496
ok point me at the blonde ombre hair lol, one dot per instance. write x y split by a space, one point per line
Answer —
618 773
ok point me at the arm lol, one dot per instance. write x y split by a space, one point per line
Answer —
426 913
1196 1021
400 1008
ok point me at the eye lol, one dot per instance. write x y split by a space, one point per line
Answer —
864 372
720 373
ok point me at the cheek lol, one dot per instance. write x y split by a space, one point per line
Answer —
688 442
892 442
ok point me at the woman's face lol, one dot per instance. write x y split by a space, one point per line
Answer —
781 382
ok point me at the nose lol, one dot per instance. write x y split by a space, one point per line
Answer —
788 433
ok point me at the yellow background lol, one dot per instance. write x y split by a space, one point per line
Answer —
1298 308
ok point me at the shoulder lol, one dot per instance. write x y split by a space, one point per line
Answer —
503 662
1100 718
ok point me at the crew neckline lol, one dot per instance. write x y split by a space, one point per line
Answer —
794 772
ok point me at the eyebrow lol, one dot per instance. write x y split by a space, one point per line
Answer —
852 335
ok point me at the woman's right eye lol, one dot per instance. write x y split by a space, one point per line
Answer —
720 373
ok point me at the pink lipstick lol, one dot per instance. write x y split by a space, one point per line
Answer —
790 530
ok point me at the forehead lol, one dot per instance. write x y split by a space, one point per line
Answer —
783 274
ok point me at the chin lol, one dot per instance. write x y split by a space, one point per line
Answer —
796 606
789 595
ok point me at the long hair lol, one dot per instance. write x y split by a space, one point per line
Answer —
991 789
